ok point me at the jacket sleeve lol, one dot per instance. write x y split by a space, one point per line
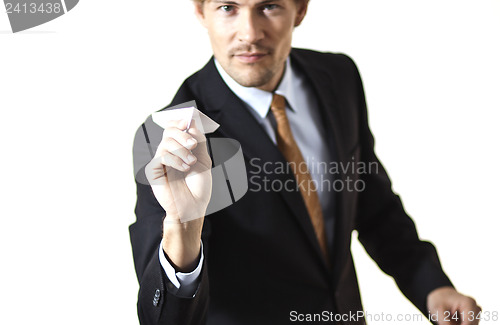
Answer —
156 303
387 232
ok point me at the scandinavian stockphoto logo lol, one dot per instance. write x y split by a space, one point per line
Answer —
25 14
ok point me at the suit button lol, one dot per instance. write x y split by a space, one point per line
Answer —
156 297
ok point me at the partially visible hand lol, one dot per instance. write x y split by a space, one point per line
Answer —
452 307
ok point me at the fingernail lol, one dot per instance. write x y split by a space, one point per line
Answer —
191 142
186 166
191 158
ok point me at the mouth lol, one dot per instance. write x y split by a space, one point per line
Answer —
250 57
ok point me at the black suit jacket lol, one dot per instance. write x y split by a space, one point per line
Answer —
262 259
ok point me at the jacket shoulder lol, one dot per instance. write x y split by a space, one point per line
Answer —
326 61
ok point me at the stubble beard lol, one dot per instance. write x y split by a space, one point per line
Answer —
253 76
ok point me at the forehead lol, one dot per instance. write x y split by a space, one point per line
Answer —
245 2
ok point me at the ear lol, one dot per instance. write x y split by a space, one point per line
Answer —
198 11
301 11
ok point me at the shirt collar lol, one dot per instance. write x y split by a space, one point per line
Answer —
260 100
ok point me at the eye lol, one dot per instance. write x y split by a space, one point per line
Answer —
270 7
227 8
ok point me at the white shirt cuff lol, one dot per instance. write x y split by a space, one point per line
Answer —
185 283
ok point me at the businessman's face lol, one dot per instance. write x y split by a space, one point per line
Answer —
251 39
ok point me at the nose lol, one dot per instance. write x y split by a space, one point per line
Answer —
250 29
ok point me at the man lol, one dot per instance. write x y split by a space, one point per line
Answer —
275 256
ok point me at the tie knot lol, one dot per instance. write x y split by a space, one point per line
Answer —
278 103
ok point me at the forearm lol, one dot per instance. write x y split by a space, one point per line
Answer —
181 243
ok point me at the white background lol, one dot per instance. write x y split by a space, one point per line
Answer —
73 92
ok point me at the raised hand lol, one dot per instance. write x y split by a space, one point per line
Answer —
180 176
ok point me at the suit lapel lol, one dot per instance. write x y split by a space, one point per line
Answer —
325 88
335 123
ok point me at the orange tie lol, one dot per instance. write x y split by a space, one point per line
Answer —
291 152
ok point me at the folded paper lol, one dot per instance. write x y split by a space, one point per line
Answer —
204 123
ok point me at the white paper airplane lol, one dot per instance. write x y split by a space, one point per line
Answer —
204 123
